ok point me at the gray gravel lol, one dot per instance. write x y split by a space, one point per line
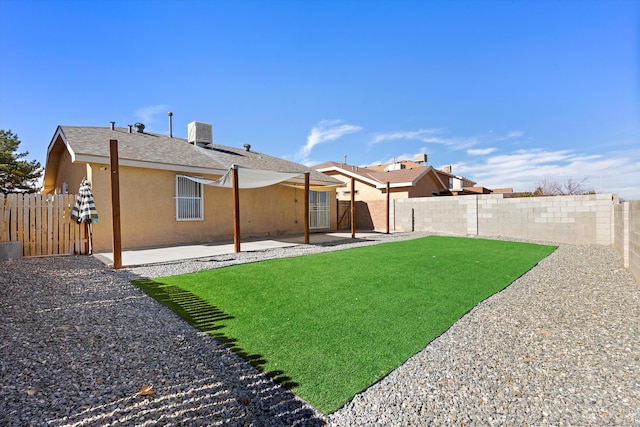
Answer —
560 346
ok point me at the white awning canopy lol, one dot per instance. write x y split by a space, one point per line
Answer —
257 178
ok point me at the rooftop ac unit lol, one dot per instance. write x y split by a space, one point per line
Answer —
200 133
395 167
420 158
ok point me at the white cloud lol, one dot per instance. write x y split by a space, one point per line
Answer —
419 135
148 114
513 134
428 136
524 169
480 151
326 130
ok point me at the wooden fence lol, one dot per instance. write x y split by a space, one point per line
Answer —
42 223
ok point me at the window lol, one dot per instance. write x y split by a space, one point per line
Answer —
318 209
189 199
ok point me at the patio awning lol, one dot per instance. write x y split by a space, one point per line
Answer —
258 178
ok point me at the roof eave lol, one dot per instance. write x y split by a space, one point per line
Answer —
88 158
350 174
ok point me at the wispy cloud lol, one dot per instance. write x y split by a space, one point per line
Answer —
433 136
480 151
149 114
512 134
325 131
524 169
419 135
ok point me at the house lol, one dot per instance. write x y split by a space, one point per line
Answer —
163 196
405 179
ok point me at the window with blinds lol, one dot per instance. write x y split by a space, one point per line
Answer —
189 200
318 209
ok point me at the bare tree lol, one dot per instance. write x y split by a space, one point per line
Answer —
553 188
547 188
573 187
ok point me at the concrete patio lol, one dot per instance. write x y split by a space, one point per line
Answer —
131 258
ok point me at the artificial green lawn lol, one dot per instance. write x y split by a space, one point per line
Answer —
329 325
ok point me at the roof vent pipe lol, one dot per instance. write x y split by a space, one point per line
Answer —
170 114
113 125
129 126
139 127
247 147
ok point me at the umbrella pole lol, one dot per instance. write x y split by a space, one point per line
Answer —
90 238
87 242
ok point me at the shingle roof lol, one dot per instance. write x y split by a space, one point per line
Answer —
155 151
400 176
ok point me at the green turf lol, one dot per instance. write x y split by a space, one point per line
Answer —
329 325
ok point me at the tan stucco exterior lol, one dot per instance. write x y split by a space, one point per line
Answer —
148 207
368 192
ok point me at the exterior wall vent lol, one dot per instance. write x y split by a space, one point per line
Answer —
200 133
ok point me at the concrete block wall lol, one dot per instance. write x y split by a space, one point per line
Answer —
455 215
634 238
563 219
621 231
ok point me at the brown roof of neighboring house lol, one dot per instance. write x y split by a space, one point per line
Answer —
379 178
90 144
407 163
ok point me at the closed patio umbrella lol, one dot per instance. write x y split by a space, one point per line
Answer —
85 210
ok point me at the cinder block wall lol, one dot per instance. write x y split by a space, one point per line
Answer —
455 215
621 231
563 219
634 238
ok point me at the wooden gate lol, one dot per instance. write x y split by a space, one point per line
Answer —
42 223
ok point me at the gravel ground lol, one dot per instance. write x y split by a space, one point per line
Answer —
560 347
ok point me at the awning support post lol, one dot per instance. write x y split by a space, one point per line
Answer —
236 208
306 208
388 203
115 204
353 208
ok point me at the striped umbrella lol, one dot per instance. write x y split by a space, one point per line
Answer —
85 209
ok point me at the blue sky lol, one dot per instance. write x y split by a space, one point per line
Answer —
507 92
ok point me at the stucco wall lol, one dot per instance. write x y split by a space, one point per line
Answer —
425 187
562 219
378 215
71 174
148 216
366 192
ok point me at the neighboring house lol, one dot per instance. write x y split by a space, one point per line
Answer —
160 202
406 179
